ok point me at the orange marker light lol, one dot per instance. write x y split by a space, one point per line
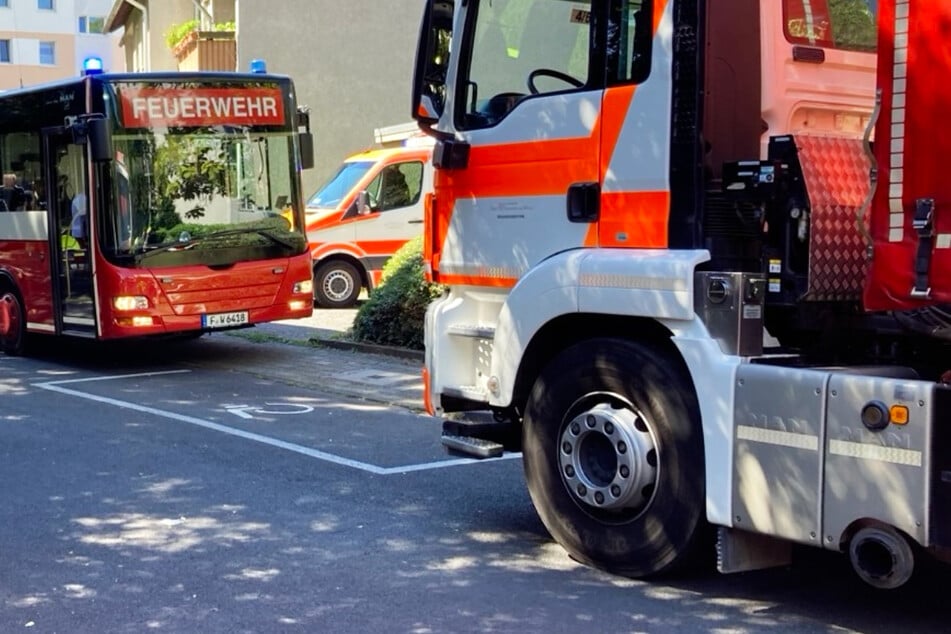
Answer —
898 414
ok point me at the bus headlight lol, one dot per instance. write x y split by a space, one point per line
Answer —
307 286
130 302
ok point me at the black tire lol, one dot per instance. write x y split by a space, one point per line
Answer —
12 323
590 399
337 284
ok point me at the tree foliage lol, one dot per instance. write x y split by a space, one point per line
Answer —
854 26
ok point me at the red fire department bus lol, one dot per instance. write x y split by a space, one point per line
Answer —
151 204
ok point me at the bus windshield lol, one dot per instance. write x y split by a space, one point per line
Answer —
843 24
214 194
333 191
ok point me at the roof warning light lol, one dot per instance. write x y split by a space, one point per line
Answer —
92 66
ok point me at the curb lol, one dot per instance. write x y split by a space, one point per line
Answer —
372 348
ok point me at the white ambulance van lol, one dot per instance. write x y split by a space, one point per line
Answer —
370 208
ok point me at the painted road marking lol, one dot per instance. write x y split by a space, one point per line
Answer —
57 386
248 411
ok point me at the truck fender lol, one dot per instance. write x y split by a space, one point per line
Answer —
651 283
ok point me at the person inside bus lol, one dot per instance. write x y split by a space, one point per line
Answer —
38 199
12 196
79 224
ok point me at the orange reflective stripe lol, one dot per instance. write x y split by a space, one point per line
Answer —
659 7
614 110
544 168
427 394
635 219
477 280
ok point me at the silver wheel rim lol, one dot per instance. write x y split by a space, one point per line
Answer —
338 285
608 459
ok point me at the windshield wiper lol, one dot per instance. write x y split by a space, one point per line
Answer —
261 231
177 246
190 243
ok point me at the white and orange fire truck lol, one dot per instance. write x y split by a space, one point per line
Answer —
631 197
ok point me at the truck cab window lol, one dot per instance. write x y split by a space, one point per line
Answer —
630 41
520 48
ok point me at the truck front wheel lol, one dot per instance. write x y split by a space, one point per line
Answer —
613 456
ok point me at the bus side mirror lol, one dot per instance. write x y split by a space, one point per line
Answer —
306 140
100 140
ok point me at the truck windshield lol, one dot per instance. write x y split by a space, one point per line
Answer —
843 24
332 193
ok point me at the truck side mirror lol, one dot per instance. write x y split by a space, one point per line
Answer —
432 63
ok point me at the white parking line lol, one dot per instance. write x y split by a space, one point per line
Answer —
56 386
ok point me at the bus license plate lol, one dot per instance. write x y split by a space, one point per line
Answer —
224 320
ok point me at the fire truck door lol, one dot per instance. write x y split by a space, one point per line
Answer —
635 129
530 115
68 213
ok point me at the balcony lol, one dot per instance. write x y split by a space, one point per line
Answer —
207 50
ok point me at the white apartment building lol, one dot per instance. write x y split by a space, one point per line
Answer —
46 40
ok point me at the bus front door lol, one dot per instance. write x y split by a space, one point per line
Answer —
68 213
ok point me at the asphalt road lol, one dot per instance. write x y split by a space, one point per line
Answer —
181 488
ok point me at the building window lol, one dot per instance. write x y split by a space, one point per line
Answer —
45 4
4 51
91 24
47 52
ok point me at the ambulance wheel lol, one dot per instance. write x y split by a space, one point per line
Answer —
613 457
337 284
12 323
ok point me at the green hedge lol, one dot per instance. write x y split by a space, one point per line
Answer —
395 312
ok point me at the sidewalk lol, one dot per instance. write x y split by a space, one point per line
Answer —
309 352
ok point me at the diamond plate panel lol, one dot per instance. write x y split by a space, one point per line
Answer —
836 171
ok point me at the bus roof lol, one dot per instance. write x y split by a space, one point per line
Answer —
162 76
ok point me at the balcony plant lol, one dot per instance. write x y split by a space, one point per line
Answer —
196 49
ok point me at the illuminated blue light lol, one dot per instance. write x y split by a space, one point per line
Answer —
92 66
258 66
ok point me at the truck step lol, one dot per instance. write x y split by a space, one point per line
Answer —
475 447
476 331
467 392
486 427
